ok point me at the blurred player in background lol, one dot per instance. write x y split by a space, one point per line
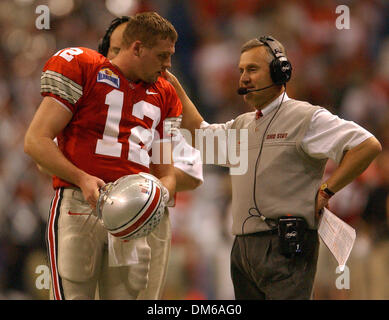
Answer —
187 168
100 112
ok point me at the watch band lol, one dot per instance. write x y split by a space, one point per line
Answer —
324 187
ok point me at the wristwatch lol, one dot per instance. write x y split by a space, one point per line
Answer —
324 187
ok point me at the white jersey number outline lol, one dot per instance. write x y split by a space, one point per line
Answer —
68 54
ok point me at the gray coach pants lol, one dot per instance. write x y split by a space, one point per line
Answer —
260 272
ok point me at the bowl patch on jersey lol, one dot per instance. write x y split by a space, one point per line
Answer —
107 76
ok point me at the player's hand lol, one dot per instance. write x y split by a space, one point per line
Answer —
90 186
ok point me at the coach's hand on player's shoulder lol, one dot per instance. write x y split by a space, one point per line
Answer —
90 186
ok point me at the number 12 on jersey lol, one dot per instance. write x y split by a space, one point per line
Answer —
109 145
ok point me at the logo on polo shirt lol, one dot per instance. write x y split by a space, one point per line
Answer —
273 136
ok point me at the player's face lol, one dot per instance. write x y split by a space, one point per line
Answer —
116 41
255 74
156 60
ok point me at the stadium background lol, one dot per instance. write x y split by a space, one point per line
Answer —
346 71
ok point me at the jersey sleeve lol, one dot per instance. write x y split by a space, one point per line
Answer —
63 77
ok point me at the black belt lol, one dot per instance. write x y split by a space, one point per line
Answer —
260 233
270 232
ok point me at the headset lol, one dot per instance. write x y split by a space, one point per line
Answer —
105 41
280 67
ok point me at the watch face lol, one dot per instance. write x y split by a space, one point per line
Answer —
324 187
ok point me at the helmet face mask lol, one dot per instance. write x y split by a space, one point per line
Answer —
132 206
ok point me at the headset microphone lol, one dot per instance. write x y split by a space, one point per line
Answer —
243 91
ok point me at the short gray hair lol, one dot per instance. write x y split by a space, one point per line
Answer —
254 43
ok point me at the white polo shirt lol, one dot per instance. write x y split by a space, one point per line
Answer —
328 136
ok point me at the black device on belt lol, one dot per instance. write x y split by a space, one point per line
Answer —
291 234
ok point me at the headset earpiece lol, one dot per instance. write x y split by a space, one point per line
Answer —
105 41
280 67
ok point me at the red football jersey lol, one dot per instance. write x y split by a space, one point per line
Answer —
114 120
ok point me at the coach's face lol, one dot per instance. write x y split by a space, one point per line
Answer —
255 74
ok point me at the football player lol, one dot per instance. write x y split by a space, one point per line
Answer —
106 115
187 168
